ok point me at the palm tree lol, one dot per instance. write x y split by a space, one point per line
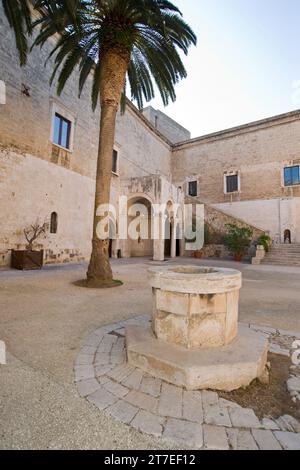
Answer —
135 42
18 15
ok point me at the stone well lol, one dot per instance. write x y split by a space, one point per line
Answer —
195 340
195 307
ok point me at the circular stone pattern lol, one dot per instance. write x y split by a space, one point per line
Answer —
152 406
195 307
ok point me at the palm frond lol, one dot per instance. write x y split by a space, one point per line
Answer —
19 18
152 32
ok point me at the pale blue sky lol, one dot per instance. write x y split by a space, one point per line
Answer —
246 65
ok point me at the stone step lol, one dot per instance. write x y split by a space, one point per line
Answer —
286 245
281 255
281 250
283 258
288 252
287 256
281 263
285 250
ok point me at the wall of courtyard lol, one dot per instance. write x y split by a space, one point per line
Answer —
258 152
37 177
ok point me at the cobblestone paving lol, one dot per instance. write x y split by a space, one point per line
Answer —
199 420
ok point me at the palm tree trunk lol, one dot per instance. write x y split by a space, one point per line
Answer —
113 72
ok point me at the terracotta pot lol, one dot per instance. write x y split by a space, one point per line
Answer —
238 257
198 254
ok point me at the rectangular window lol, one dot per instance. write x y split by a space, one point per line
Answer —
193 188
291 176
232 183
115 162
62 131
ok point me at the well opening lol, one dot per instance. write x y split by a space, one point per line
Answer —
193 270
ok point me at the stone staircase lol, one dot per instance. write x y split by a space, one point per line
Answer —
283 254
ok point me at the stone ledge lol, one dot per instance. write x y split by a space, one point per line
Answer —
226 368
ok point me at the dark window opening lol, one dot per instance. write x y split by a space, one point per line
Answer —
115 162
232 184
291 176
62 131
193 188
53 223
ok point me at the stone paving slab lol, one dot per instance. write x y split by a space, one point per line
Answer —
143 401
215 438
102 398
265 439
245 440
200 419
288 440
192 407
151 385
170 403
87 387
244 418
184 432
123 411
217 416
148 423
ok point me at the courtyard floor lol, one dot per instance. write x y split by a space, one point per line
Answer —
45 320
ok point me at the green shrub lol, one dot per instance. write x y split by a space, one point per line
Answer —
265 241
238 239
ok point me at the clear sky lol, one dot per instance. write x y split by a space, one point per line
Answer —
246 65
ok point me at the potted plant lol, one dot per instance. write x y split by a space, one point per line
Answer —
265 241
238 240
29 258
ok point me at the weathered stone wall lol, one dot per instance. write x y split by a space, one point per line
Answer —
258 151
218 220
31 189
167 126
37 178
277 215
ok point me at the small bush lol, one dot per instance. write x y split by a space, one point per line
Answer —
238 239
265 241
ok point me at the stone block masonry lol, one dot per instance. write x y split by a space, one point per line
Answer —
198 420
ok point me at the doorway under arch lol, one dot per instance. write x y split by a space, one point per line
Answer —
140 242
287 236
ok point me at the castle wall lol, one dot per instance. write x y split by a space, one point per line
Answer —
258 153
38 177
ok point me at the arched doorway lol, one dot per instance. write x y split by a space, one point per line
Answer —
287 237
139 242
